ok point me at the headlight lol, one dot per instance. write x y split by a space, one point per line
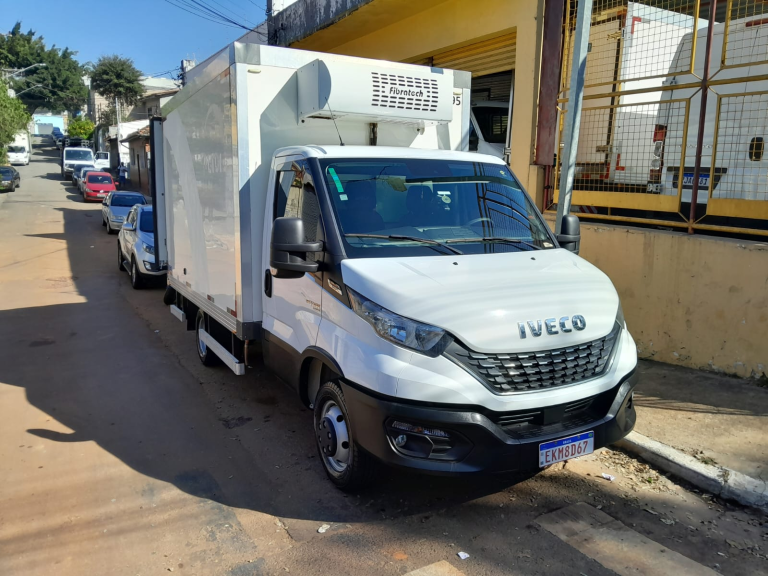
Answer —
424 338
148 249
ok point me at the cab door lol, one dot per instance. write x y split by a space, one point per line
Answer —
292 307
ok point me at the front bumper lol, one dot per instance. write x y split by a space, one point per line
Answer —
481 440
96 195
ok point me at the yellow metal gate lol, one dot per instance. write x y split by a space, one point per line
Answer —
642 114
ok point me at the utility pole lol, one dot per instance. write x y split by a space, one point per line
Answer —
270 25
117 119
573 114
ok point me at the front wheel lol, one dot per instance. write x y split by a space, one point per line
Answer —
120 258
207 357
345 463
136 280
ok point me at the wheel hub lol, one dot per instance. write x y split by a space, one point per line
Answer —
333 437
326 436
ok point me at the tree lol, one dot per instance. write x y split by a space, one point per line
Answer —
61 78
80 128
13 119
115 77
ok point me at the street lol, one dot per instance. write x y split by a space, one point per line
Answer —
123 455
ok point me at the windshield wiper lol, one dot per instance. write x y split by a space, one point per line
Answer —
494 239
411 238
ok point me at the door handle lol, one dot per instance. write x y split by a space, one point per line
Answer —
268 283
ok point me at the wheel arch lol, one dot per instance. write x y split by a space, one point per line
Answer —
317 367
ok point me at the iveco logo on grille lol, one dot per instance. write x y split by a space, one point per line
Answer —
552 325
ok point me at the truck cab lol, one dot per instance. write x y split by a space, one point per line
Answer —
73 156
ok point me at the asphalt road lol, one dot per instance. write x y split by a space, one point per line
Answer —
121 454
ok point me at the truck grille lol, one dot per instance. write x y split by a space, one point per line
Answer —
509 373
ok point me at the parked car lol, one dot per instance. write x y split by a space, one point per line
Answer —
81 180
136 246
18 155
59 140
116 207
10 179
77 173
102 160
97 185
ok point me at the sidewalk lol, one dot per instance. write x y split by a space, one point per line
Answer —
720 421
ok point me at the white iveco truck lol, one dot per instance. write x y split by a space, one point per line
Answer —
323 211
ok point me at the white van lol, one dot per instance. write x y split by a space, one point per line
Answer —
488 127
102 160
741 166
72 157
409 290
19 151
18 154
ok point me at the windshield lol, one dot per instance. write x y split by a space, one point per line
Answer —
473 207
127 201
81 154
83 169
17 149
492 122
99 179
146 222
6 172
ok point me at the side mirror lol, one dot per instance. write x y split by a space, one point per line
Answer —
570 233
104 202
128 227
288 250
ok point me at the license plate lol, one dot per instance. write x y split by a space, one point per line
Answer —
703 179
566 448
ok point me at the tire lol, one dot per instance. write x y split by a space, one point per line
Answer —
136 280
13 188
349 467
120 266
103 222
207 357
109 228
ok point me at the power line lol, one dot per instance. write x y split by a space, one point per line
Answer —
199 15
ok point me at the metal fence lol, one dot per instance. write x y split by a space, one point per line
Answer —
647 103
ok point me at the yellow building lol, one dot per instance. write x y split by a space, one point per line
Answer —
691 300
499 41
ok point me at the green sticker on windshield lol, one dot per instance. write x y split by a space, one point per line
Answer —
336 180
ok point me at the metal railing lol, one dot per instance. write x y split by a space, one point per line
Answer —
645 109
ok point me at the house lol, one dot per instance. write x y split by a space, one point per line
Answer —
164 87
138 146
120 151
150 103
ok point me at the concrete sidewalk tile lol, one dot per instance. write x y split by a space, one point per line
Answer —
616 546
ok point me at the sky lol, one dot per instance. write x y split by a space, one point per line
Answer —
155 34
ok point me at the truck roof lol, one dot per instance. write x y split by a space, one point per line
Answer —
385 152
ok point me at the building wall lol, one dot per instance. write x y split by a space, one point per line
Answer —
695 301
139 169
448 25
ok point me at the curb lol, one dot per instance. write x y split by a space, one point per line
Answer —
717 480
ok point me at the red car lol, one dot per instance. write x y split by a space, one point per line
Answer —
97 185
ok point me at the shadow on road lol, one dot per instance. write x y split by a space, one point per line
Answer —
100 371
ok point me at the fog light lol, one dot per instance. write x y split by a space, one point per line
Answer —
420 429
400 440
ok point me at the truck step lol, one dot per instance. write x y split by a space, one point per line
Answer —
178 313
233 363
